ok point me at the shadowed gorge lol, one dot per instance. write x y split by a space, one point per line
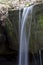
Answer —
22 36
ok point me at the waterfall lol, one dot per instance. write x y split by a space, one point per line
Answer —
24 40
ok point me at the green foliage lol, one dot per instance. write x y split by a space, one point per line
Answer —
27 4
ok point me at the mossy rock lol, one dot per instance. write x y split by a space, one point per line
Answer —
36 38
12 29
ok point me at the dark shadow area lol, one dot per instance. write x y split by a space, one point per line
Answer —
10 59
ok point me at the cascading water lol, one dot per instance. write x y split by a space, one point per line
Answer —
24 40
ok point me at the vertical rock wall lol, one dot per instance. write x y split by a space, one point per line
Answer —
14 18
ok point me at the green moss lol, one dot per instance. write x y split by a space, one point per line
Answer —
12 29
